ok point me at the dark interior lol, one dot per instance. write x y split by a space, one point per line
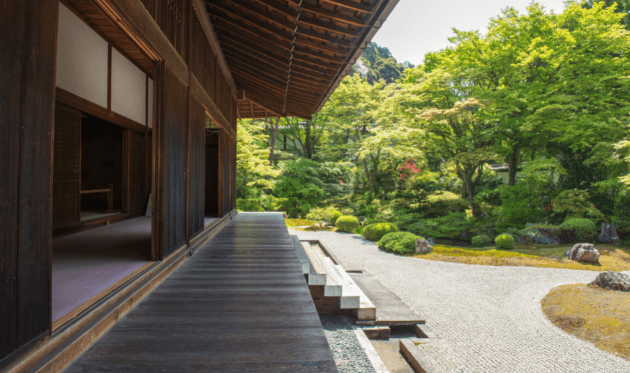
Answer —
212 173
101 164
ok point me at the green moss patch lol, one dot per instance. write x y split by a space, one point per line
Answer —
596 315
299 222
530 256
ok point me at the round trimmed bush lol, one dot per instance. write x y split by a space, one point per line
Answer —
375 232
399 242
347 223
504 241
369 221
334 215
481 240
576 229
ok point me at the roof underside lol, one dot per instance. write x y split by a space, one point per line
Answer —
288 56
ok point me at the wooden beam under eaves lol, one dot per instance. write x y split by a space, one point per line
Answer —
332 14
202 15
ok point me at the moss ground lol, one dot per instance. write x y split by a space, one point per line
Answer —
547 256
592 314
298 222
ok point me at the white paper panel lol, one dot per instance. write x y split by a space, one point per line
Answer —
128 88
150 119
81 59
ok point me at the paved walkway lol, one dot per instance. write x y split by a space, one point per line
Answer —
488 319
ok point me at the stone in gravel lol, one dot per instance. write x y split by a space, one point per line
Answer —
583 252
608 234
613 281
422 246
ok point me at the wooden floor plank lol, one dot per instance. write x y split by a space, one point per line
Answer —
240 304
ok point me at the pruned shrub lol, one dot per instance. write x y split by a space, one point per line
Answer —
575 203
577 229
369 221
347 223
450 226
376 231
481 240
249 205
329 215
442 203
399 242
504 241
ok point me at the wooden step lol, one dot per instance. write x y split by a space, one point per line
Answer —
350 293
299 249
333 287
316 275
365 310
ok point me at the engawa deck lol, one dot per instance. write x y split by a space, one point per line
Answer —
240 304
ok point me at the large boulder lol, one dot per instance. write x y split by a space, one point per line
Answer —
423 247
613 281
608 234
583 252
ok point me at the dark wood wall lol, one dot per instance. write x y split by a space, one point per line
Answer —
28 30
196 166
136 169
67 166
173 127
225 160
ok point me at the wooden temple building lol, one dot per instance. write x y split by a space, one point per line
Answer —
118 125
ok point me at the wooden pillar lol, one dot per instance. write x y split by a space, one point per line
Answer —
28 40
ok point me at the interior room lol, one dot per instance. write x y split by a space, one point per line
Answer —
102 236
101 169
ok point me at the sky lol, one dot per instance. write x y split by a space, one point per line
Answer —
417 27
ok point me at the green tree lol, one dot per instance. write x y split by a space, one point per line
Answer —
622 6
253 171
546 76
455 125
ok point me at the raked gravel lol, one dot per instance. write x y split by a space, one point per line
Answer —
487 318
347 351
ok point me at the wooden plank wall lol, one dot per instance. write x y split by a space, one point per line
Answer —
28 42
212 174
34 231
173 127
225 154
12 66
136 167
67 166
28 31
196 168
234 153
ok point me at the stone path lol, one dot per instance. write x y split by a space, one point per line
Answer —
488 319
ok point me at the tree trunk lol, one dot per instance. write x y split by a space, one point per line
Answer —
307 143
272 141
513 162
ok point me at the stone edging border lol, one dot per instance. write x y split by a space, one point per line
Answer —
372 355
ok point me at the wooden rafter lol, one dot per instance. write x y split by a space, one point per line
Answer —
288 54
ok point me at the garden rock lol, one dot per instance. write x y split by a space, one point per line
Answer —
613 281
464 235
423 247
608 234
430 241
583 252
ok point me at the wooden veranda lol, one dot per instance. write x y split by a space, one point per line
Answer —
239 304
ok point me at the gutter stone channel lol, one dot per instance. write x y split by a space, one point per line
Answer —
387 343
